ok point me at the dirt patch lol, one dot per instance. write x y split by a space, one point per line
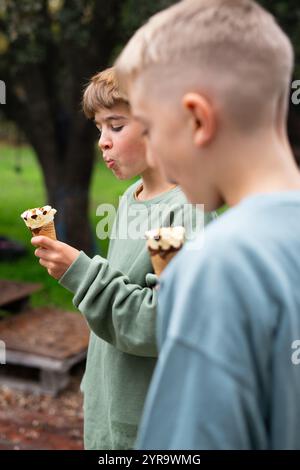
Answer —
42 422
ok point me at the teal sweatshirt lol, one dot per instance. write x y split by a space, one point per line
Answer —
118 299
228 374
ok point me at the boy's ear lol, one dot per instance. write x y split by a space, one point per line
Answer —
203 116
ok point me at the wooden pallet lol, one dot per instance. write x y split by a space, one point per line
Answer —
46 341
14 295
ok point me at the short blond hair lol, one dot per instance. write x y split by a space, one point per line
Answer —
235 43
102 91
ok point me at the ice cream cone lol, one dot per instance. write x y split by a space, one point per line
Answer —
40 221
47 230
159 263
163 244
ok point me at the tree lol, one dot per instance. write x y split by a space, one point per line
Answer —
287 13
48 50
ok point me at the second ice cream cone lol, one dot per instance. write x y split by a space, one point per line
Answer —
163 244
159 263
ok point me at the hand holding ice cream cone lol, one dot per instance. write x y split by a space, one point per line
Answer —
163 244
54 255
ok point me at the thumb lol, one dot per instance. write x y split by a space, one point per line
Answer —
44 242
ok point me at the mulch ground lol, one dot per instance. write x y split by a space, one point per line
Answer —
32 422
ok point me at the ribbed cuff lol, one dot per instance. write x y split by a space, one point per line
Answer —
72 278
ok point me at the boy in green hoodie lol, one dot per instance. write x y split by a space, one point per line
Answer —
117 295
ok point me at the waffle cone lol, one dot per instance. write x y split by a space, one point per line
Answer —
47 230
159 263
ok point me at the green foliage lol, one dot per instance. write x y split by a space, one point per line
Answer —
287 13
30 27
136 13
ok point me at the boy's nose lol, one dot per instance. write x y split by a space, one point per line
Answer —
104 143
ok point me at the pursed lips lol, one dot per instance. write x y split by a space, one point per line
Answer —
110 163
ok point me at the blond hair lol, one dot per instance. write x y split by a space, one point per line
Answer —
234 46
102 91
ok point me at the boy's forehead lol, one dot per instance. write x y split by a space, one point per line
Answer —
139 101
146 92
112 114
145 105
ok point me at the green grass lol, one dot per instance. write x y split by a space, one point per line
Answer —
24 189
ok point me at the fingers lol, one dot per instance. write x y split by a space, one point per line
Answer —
44 263
48 265
44 254
44 242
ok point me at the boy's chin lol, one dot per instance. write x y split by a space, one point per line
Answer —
123 177
195 197
172 181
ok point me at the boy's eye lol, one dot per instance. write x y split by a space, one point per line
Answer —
117 128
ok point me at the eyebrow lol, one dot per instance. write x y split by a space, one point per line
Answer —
113 117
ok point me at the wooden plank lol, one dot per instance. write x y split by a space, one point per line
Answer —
27 386
41 362
47 332
52 378
13 291
53 382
